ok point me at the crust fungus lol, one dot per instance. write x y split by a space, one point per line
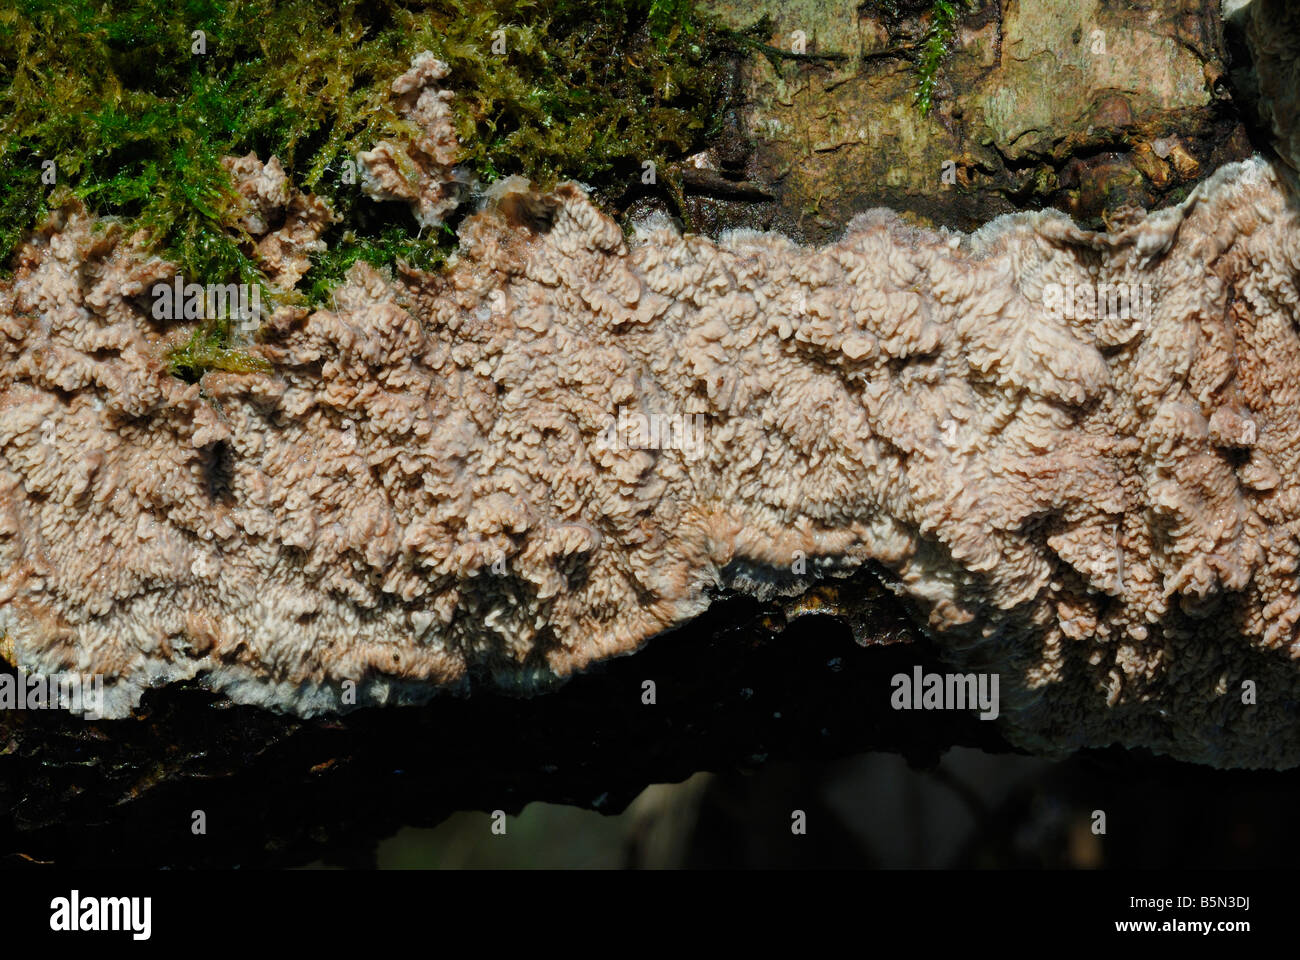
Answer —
1075 453
420 171
285 224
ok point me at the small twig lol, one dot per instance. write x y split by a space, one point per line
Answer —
713 184
902 51
771 51
673 185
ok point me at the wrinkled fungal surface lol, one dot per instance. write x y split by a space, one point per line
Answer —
299 218
568 440
420 172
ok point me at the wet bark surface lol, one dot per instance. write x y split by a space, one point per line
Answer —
1093 108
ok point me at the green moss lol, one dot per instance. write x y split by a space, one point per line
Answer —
669 19
391 248
208 349
137 122
587 90
934 49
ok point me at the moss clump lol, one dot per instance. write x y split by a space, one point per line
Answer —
934 48
137 121
393 247
208 348
587 89
136 115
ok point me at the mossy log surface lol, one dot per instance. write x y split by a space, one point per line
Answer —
1090 107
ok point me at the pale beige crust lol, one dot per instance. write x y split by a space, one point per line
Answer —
1103 510
418 171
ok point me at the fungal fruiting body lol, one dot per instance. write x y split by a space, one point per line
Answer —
566 441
